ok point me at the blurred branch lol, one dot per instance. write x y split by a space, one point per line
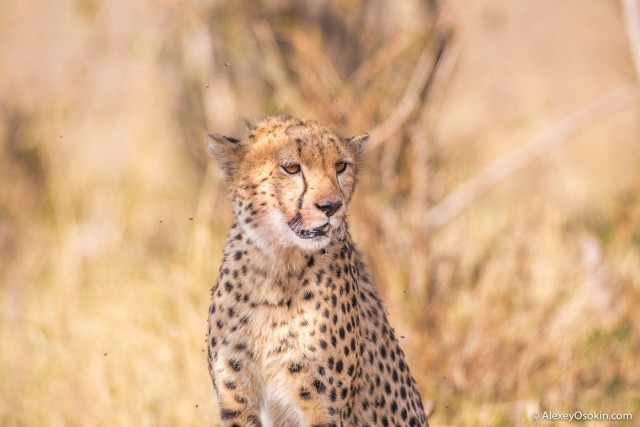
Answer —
421 139
319 76
441 77
409 101
487 178
421 174
275 68
631 14
382 58
419 81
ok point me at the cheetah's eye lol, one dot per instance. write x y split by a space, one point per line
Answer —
291 169
341 167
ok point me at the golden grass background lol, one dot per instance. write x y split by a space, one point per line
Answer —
112 218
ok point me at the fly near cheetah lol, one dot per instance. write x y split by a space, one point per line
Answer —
297 333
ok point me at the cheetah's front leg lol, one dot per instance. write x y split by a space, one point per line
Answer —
309 393
237 400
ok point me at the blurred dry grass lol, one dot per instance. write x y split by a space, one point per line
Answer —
112 219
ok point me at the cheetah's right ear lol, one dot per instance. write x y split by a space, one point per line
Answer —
227 151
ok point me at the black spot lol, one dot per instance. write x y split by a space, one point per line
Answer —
383 352
310 262
343 393
295 368
319 386
305 394
238 255
339 366
307 295
235 365
227 414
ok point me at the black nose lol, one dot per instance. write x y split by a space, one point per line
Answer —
329 207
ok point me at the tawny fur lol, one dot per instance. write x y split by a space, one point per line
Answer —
297 333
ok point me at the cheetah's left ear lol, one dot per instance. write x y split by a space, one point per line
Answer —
228 151
358 144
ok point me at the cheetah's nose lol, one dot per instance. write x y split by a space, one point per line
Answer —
329 207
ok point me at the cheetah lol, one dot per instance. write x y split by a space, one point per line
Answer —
297 334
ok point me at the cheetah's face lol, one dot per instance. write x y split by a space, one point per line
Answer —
291 181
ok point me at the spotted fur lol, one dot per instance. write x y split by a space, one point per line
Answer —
297 333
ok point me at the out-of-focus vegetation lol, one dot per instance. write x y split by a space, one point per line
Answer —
112 218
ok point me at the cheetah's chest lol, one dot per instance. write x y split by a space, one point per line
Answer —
282 342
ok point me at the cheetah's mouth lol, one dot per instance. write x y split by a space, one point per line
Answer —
303 233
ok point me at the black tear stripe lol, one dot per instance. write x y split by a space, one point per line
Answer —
304 190
304 180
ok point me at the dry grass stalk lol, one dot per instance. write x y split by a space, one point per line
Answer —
487 178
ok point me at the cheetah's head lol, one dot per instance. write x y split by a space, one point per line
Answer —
290 181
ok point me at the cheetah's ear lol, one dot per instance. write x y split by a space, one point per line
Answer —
358 144
227 151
